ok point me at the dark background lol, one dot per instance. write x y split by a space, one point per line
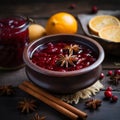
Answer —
41 10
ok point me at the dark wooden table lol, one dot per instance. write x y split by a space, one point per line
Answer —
41 10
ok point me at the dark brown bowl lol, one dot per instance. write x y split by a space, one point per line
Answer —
63 82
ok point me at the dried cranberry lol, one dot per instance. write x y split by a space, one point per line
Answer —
110 72
94 9
109 89
117 72
114 98
102 76
72 6
108 94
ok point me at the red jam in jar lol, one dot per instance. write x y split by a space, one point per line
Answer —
63 56
13 39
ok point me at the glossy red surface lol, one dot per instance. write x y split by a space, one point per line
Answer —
47 56
13 39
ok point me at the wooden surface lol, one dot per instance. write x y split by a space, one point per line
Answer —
41 10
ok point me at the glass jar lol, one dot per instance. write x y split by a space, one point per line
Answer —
14 37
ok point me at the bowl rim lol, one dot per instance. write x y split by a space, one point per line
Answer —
44 71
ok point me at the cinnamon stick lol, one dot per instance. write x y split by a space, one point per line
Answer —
55 99
49 102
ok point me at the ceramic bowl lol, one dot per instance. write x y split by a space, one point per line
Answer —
64 82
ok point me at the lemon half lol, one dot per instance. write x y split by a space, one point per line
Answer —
100 21
111 33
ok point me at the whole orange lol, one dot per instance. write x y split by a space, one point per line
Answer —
61 22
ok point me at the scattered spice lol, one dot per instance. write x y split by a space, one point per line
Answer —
27 105
67 60
72 48
7 90
93 104
115 79
38 117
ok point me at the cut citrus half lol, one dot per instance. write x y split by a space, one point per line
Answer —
100 21
111 33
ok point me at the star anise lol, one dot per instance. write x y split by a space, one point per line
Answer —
38 117
115 79
66 60
72 48
93 103
27 105
7 90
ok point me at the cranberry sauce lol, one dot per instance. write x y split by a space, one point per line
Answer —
63 56
13 39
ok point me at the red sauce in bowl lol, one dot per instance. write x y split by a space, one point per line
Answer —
63 56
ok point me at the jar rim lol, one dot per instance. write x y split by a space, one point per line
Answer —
25 23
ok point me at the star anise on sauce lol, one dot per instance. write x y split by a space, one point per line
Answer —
72 48
93 104
115 79
7 90
27 105
66 60
38 117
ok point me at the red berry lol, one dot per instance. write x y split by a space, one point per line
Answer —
108 94
102 76
117 72
94 9
72 6
109 89
114 98
110 72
